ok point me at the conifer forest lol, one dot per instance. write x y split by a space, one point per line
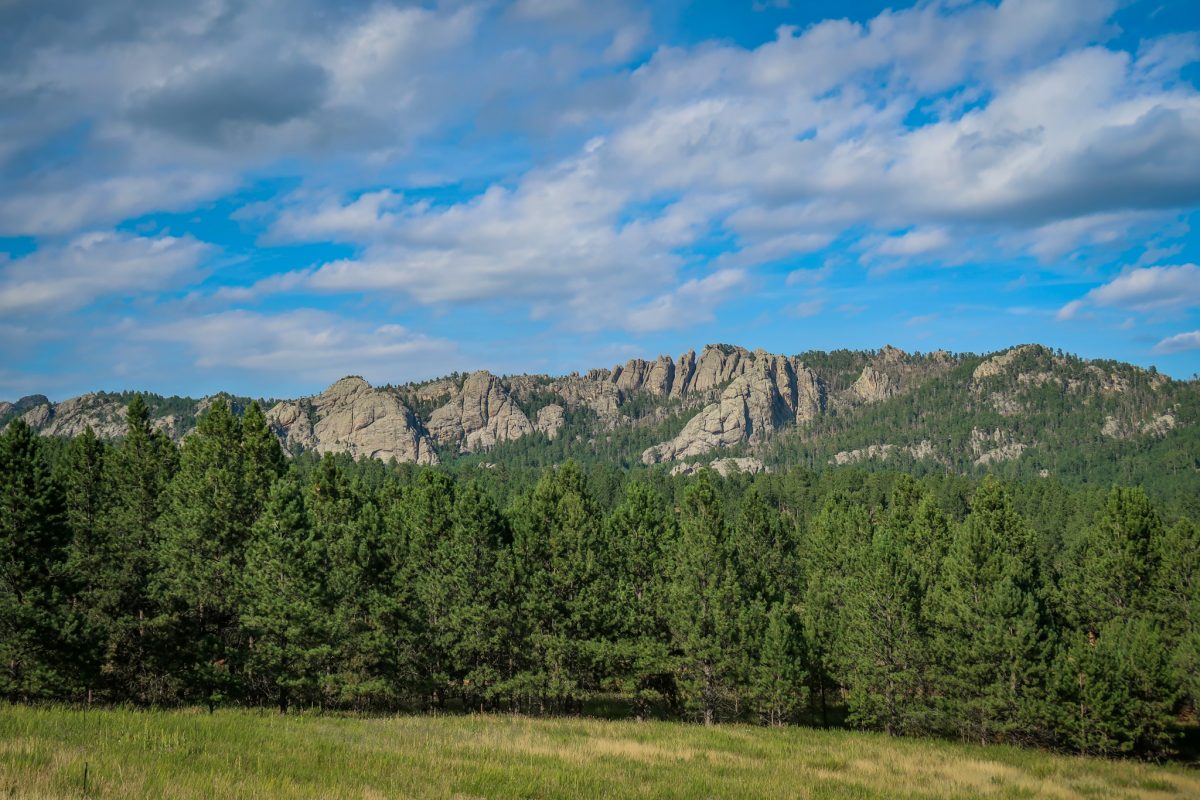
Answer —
220 572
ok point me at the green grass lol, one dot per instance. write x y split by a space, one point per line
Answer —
249 754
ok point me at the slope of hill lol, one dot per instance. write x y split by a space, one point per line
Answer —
1022 412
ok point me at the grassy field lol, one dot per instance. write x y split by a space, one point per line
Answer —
245 754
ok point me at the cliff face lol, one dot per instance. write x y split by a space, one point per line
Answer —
480 417
726 396
351 417
767 393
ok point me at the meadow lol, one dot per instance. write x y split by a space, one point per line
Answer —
46 752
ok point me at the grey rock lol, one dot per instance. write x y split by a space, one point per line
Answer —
480 417
763 397
685 370
550 419
351 417
722 466
874 386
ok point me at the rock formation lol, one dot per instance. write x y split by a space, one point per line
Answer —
874 386
882 452
351 417
105 416
655 377
998 364
480 417
768 392
1157 426
994 447
550 419
731 395
722 466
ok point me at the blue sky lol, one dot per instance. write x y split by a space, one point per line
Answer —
263 197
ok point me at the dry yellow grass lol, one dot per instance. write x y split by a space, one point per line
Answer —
248 754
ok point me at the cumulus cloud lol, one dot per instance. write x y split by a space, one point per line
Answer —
59 207
1150 289
558 237
1179 343
949 127
692 302
93 266
222 104
309 344
809 277
1057 144
809 308
220 89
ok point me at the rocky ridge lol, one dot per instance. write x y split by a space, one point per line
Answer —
727 396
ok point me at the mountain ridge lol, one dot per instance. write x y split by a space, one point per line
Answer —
963 410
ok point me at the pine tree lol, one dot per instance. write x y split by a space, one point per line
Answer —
779 689
428 519
371 596
886 638
764 550
556 546
136 473
838 536
1113 563
991 641
85 493
203 531
883 651
473 623
640 535
703 602
283 607
33 550
1178 594
1115 689
90 555
262 459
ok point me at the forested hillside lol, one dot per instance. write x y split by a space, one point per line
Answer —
219 571
1022 413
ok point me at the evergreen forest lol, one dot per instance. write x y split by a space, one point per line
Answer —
221 572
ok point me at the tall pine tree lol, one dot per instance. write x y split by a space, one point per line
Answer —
991 636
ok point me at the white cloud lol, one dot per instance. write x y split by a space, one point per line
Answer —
557 238
1071 310
809 308
363 219
59 279
809 277
63 209
788 165
692 302
1179 343
1034 138
309 344
1149 289
914 243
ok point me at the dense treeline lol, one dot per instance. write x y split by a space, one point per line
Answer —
220 572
